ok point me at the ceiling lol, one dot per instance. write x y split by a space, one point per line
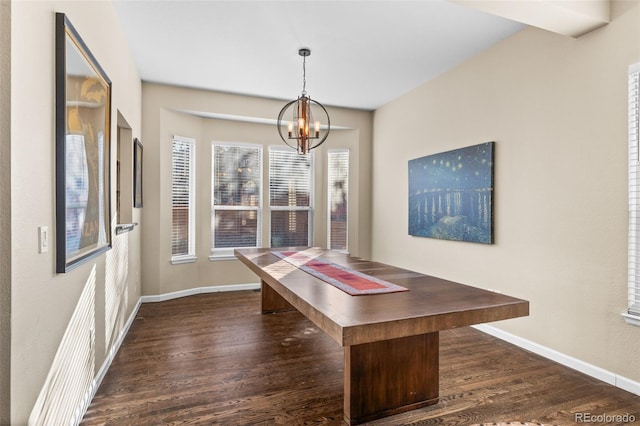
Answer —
363 53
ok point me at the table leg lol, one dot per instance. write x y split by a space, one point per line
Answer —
272 301
390 376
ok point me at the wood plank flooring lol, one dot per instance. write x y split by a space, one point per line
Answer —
214 359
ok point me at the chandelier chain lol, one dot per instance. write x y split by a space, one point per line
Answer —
304 75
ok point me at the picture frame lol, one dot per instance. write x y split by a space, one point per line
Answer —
137 173
451 195
83 146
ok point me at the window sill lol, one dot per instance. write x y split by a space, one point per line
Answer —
631 319
183 259
217 257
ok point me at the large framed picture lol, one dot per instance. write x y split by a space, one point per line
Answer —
83 123
451 195
137 173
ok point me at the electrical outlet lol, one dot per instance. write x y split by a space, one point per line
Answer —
43 239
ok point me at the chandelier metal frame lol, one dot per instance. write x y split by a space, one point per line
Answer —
299 128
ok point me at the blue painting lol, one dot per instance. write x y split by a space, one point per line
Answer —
451 195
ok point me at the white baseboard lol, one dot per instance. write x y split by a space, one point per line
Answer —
566 360
199 290
628 385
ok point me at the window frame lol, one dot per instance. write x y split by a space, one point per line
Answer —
632 315
329 197
190 256
312 194
225 253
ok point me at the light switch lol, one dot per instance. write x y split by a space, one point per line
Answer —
43 239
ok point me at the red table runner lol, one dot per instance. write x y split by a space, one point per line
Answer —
352 282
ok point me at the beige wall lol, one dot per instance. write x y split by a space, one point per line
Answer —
556 108
42 301
5 209
162 120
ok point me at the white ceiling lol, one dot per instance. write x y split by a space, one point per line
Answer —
363 53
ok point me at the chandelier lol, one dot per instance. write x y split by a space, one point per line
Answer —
306 120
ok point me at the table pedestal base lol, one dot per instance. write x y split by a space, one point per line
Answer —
381 378
390 377
272 302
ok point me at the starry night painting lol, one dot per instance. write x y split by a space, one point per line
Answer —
451 195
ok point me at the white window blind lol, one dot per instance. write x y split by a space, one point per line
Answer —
290 197
236 181
634 190
183 200
338 195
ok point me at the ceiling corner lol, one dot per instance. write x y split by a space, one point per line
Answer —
572 18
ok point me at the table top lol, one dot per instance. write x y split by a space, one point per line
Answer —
431 304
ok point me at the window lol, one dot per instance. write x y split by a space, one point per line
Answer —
183 200
633 314
290 197
124 175
235 200
337 195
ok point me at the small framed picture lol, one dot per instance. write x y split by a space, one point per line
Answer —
137 173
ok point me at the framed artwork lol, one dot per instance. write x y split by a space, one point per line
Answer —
83 123
451 195
137 173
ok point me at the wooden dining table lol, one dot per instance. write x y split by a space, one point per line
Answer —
390 340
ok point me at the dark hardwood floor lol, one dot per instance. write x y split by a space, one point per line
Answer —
214 359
